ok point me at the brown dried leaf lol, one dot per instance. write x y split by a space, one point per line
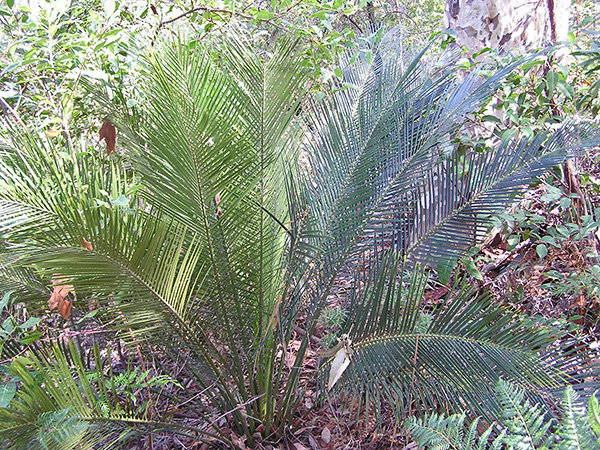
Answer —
108 132
84 243
58 299
238 442
64 308
53 300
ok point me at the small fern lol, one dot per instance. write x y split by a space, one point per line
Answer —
523 426
437 432
526 425
594 415
574 429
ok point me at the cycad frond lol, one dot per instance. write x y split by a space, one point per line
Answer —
461 193
377 170
58 407
102 250
214 149
383 306
225 246
142 272
23 280
457 360
377 180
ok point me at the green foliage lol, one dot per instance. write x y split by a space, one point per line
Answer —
594 414
570 232
527 425
440 433
59 429
587 52
332 320
573 430
234 205
555 85
47 49
58 407
15 333
394 357
522 426
127 385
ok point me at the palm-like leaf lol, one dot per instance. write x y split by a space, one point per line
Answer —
220 256
377 169
378 182
229 242
480 186
142 271
457 360
59 407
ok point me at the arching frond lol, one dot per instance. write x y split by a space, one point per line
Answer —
461 194
227 241
63 403
378 173
455 358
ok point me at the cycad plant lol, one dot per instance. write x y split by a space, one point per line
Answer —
238 204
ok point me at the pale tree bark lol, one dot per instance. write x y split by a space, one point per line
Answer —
508 24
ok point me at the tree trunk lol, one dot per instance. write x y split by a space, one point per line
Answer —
508 24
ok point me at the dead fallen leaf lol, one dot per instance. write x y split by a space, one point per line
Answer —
108 132
326 435
64 308
86 244
435 294
58 299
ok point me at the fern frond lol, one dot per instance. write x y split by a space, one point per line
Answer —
451 433
523 426
527 426
594 415
574 429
